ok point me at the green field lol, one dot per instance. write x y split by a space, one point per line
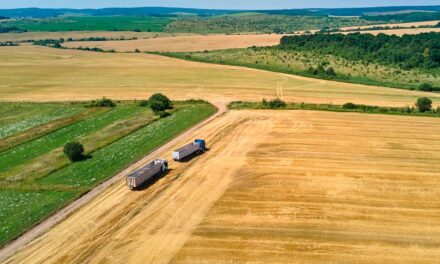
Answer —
299 62
105 23
113 139
18 117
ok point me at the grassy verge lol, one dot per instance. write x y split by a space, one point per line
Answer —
24 203
353 108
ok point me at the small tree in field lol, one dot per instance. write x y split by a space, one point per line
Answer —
424 104
426 87
74 151
159 102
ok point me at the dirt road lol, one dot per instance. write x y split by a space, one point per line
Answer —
275 186
66 211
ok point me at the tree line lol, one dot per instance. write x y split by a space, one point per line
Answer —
407 52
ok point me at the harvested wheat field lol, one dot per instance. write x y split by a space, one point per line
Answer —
183 43
398 32
275 186
408 24
31 73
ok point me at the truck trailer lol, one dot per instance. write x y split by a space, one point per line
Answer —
196 147
139 177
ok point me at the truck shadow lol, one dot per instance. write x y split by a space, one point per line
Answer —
195 155
152 181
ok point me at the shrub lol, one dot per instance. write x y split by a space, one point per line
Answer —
104 102
163 114
426 87
74 151
143 103
276 103
159 102
349 106
424 104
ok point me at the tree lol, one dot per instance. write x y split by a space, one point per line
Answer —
74 151
159 102
424 104
426 87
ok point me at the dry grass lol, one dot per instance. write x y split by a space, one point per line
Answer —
43 74
184 43
275 186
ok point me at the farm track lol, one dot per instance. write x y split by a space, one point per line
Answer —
275 186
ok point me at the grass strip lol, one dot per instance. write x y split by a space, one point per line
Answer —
34 148
38 131
353 108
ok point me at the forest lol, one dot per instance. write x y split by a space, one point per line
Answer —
406 52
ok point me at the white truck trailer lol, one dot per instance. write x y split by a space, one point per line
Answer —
139 177
186 151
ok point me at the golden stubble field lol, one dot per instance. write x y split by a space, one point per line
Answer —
275 186
31 73
183 43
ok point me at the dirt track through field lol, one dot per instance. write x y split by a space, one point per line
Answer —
275 186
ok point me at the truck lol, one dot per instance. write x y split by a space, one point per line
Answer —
196 147
154 168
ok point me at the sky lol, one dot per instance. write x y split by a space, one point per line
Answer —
213 4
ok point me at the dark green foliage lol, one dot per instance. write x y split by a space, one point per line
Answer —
74 151
424 104
426 87
349 106
406 17
407 52
54 43
322 72
104 102
163 114
143 103
11 29
273 104
159 102
8 44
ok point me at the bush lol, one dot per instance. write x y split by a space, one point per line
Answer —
350 106
424 104
159 102
163 114
104 102
426 87
143 103
275 103
74 151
